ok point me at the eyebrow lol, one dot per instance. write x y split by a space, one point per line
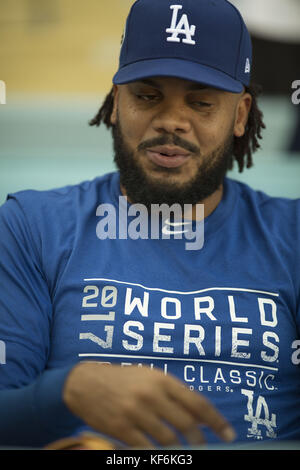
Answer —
192 87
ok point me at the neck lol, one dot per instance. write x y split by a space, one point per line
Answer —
210 203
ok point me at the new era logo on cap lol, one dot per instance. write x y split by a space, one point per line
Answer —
205 41
247 66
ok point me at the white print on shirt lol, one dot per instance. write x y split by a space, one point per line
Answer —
171 309
260 418
216 345
259 379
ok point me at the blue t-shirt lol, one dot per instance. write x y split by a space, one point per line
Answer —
224 318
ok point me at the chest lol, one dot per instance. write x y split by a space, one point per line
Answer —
126 303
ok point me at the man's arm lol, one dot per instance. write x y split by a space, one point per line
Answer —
32 412
35 415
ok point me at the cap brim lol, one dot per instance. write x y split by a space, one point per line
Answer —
177 68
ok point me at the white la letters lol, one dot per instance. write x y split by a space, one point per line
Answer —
182 27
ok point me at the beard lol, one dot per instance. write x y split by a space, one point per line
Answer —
141 188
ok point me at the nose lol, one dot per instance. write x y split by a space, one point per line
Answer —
172 117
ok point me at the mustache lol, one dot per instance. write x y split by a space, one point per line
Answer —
168 139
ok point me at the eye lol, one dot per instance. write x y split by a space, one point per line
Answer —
202 104
147 97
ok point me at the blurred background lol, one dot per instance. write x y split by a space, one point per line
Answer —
57 59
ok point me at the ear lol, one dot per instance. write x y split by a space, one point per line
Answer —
242 113
113 116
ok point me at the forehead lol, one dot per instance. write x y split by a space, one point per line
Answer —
166 82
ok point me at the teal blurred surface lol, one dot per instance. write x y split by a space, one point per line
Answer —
46 142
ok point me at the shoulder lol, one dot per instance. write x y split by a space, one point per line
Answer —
278 216
51 218
59 201
262 202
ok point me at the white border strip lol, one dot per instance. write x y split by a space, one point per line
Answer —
181 292
185 359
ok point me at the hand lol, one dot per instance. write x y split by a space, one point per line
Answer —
135 404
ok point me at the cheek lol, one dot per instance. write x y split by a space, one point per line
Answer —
133 125
217 131
211 133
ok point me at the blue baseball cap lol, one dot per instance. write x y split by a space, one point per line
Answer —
205 41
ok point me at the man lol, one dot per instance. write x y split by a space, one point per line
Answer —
138 337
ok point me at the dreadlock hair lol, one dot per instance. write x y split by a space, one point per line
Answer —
243 146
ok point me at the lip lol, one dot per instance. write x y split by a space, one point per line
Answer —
168 156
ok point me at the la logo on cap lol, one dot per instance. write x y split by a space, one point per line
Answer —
182 27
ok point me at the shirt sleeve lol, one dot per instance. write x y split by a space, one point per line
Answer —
32 412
